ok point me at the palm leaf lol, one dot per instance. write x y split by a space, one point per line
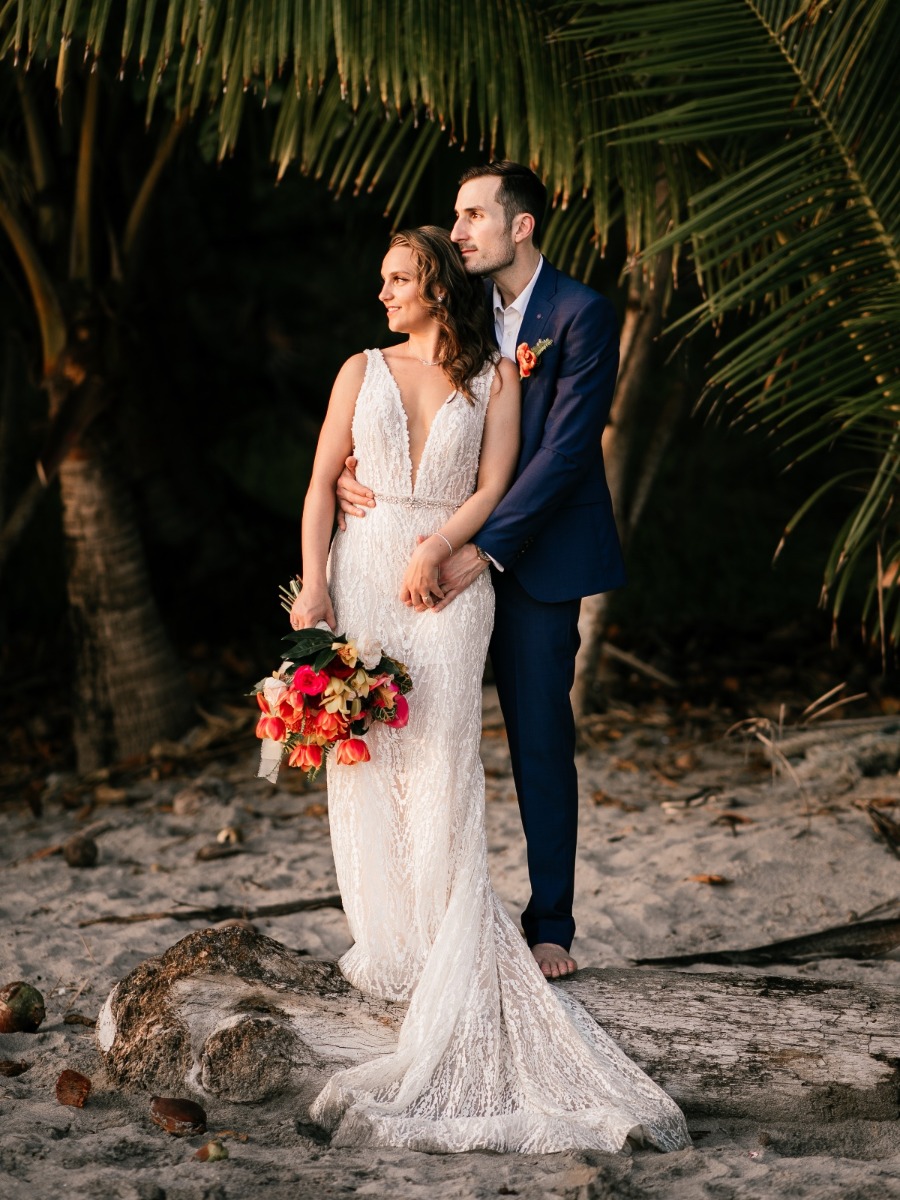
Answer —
799 232
772 122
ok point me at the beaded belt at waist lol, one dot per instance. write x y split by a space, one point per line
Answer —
415 501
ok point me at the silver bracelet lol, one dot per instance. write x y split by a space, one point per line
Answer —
447 540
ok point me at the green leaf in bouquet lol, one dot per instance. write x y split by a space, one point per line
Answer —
323 658
397 670
402 682
305 643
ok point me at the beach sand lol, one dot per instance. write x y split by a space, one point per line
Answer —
801 856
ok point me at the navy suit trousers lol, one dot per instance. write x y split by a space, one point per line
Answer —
533 650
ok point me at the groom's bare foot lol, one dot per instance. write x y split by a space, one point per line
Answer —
555 962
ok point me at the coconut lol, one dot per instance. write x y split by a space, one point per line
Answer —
21 1008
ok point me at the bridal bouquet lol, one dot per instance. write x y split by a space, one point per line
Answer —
324 697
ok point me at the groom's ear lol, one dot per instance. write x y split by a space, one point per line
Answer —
523 226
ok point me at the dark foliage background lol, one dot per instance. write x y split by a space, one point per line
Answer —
252 295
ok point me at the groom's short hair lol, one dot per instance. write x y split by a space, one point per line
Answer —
520 191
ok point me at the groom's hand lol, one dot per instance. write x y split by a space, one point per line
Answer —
457 572
353 498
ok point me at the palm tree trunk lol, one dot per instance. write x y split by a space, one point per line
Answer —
640 329
130 688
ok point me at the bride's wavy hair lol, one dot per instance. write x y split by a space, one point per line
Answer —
454 300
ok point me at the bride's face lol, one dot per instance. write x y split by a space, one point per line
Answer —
400 292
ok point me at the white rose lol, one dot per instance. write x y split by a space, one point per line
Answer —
274 688
369 652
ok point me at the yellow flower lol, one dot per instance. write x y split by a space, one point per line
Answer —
359 681
337 696
346 652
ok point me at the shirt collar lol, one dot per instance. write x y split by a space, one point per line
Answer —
521 301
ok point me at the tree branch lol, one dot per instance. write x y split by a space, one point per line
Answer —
80 252
50 317
219 912
141 204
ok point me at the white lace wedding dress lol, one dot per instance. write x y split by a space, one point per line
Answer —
490 1055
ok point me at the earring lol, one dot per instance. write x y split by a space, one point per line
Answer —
441 298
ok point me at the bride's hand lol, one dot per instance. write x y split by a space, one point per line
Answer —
310 608
420 588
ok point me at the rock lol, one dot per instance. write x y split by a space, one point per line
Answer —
80 851
180 1117
200 795
211 1152
73 1089
105 794
188 801
10 1067
21 1008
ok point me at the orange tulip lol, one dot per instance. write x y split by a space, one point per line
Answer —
271 727
307 758
328 725
351 751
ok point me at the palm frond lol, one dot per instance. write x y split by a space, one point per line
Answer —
490 75
799 232
772 123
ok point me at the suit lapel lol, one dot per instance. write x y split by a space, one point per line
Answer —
537 315
489 305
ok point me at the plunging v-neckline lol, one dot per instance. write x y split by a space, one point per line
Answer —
414 470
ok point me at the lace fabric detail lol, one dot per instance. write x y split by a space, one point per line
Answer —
414 501
490 1056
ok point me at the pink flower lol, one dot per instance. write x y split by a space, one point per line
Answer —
401 713
351 751
307 758
308 681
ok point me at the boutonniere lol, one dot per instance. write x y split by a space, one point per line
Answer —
527 356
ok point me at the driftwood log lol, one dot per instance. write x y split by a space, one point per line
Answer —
233 1014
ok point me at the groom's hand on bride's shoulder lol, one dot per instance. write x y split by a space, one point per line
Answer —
353 498
458 572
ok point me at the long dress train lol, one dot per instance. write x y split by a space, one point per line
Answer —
490 1056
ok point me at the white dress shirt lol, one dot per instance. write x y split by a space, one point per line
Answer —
508 321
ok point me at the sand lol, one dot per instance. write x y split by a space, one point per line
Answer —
801 856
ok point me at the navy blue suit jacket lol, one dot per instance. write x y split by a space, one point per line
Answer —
554 529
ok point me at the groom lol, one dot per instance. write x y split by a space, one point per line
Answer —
552 539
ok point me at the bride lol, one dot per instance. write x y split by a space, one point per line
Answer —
490 1056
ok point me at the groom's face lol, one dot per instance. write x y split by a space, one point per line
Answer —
482 231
